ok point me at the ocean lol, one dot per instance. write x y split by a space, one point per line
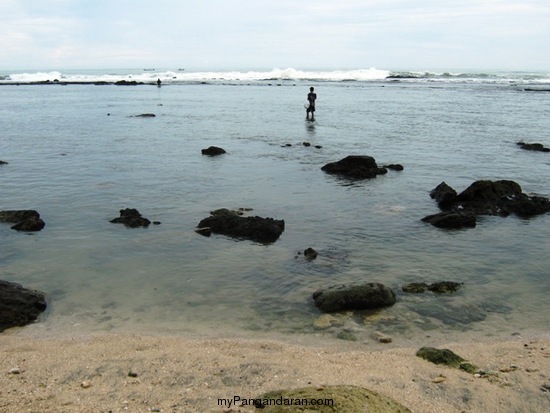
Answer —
78 153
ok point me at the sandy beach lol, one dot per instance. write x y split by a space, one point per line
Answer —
139 373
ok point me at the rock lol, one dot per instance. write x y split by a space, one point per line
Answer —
353 297
131 218
533 147
19 306
451 220
310 254
442 287
439 379
255 228
382 338
439 287
444 195
86 384
213 151
146 115
355 167
127 83
325 321
415 288
3 163
340 398
394 167
446 357
25 220
15 370
346 335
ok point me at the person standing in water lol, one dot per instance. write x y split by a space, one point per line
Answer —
311 97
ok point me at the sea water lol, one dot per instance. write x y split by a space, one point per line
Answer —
78 153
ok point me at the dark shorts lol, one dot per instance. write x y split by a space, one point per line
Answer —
311 109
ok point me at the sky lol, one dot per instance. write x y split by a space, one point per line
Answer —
267 34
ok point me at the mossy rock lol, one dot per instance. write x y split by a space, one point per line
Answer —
446 357
341 399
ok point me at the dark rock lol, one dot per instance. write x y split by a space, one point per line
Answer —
264 230
146 115
343 399
19 306
444 195
394 167
484 197
127 83
131 218
3 163
310 254
306 144
353 297
213 151
355 167
451 220
442 287
533 147
25 220
439 287
446 357
415 288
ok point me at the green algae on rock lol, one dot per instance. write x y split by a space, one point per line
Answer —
339 398
446 357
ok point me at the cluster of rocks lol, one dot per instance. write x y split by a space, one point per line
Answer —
24 220
132 218
483 197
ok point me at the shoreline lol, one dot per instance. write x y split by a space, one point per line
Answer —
113 372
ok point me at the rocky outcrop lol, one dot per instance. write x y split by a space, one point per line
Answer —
355 167
263 230
27 220
213 151
19 306
483 197
340 398
131 218
539 147
353 297
3 163
145 115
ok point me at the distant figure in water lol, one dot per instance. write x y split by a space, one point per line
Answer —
311 97
158 82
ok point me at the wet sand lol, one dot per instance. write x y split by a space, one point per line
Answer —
139 373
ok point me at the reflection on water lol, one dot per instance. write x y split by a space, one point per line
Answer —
168 279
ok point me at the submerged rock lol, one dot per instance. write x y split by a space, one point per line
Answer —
355 167
19 306
539 147
131 218
451 220
27 220
264 230
353 297
439 287
340 398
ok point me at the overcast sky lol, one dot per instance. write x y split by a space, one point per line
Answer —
267 34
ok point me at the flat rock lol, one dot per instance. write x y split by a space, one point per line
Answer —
353 297
19 306
264 230
539 147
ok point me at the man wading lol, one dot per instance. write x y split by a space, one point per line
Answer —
311 97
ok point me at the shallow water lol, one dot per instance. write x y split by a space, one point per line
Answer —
78 154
